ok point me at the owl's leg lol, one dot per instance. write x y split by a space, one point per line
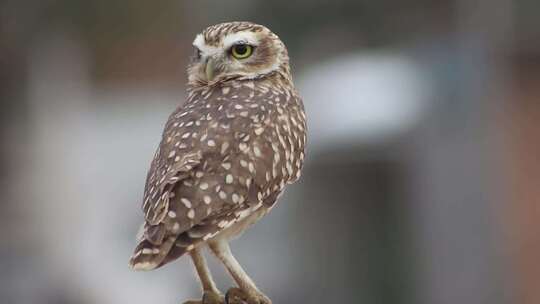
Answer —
248 292
211 294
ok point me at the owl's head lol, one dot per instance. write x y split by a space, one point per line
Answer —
236 50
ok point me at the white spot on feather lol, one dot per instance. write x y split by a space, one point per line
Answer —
186 202
257 151
259 131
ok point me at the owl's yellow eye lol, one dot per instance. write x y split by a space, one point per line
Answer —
241 51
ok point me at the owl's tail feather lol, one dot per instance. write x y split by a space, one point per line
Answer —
184 243
148 256
190 239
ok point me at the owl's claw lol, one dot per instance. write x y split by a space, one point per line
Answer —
209 297
239 296
234 296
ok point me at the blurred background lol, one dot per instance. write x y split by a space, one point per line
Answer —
422 181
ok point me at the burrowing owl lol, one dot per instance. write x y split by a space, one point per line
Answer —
225 156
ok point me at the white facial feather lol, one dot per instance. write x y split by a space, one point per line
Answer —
206 50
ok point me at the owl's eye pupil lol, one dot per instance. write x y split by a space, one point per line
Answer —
241 51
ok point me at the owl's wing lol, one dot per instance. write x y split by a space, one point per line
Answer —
162 177
172 163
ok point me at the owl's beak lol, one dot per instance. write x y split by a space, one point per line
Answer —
210 69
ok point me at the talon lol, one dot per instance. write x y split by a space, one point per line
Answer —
235 296
262 299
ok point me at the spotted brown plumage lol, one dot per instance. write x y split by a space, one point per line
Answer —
227 153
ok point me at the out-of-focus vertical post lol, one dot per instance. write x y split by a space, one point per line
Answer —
522 121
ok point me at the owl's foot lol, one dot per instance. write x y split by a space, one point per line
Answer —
209 297
239 296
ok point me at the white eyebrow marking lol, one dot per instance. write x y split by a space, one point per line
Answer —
240 37
228 41
205 49
199 41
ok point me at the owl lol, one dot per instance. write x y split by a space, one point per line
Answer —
225 156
